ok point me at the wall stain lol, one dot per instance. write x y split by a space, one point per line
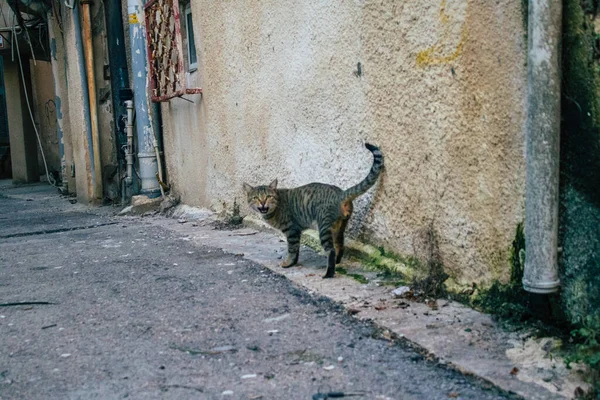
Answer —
435 54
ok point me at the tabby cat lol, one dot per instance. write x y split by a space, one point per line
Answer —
294 210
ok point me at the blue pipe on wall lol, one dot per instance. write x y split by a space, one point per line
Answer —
144 108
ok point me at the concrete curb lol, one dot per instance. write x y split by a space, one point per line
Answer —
450 333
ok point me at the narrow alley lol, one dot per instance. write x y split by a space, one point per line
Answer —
118 307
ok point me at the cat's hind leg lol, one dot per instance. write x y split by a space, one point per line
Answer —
338 239
325 234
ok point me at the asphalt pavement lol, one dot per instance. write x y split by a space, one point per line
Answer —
95 306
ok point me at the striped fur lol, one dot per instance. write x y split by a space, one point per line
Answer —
294 210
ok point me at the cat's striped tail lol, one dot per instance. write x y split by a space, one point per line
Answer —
357 190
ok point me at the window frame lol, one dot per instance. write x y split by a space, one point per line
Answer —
192 67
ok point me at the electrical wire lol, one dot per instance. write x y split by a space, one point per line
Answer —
30 47
13 37
52 181
56 12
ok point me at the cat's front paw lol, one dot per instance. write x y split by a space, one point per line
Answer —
288 263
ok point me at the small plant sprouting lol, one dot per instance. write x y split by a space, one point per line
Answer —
236 218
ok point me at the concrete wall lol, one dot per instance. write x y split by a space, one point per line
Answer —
44 108
23 143
61 85
108 144
75 130
8 16
580 166
440 88
68 84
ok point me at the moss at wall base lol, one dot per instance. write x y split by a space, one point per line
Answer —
580 257
580 162
579 234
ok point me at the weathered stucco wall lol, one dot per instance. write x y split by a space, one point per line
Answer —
61 85
108 145
44 108
23 145
580 165
440 88
75 129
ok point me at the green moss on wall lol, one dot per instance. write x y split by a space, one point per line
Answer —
580 161
506 300
579 234
525 15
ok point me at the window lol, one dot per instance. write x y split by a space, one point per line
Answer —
167 56
191 43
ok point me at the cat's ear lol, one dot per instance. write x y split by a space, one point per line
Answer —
247 188
273 185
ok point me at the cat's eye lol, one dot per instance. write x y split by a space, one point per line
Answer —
255 198
269 196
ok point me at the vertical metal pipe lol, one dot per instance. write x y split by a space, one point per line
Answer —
542 146
91 81
118 65
143 107
119 78
58 102
129 151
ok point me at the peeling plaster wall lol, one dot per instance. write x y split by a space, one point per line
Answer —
58 54
580 165
108 145
75 127
7 20
44 106
23 145
441 90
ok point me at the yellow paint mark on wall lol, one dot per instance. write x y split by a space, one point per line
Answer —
133 19
443 16
435 54
432 56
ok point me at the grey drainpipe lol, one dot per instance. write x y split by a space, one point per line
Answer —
119 81
143 107
542 147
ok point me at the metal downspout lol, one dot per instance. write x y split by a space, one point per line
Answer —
143 107
58 103
129 146
156 143
85 93
119 82
542 147
91 81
